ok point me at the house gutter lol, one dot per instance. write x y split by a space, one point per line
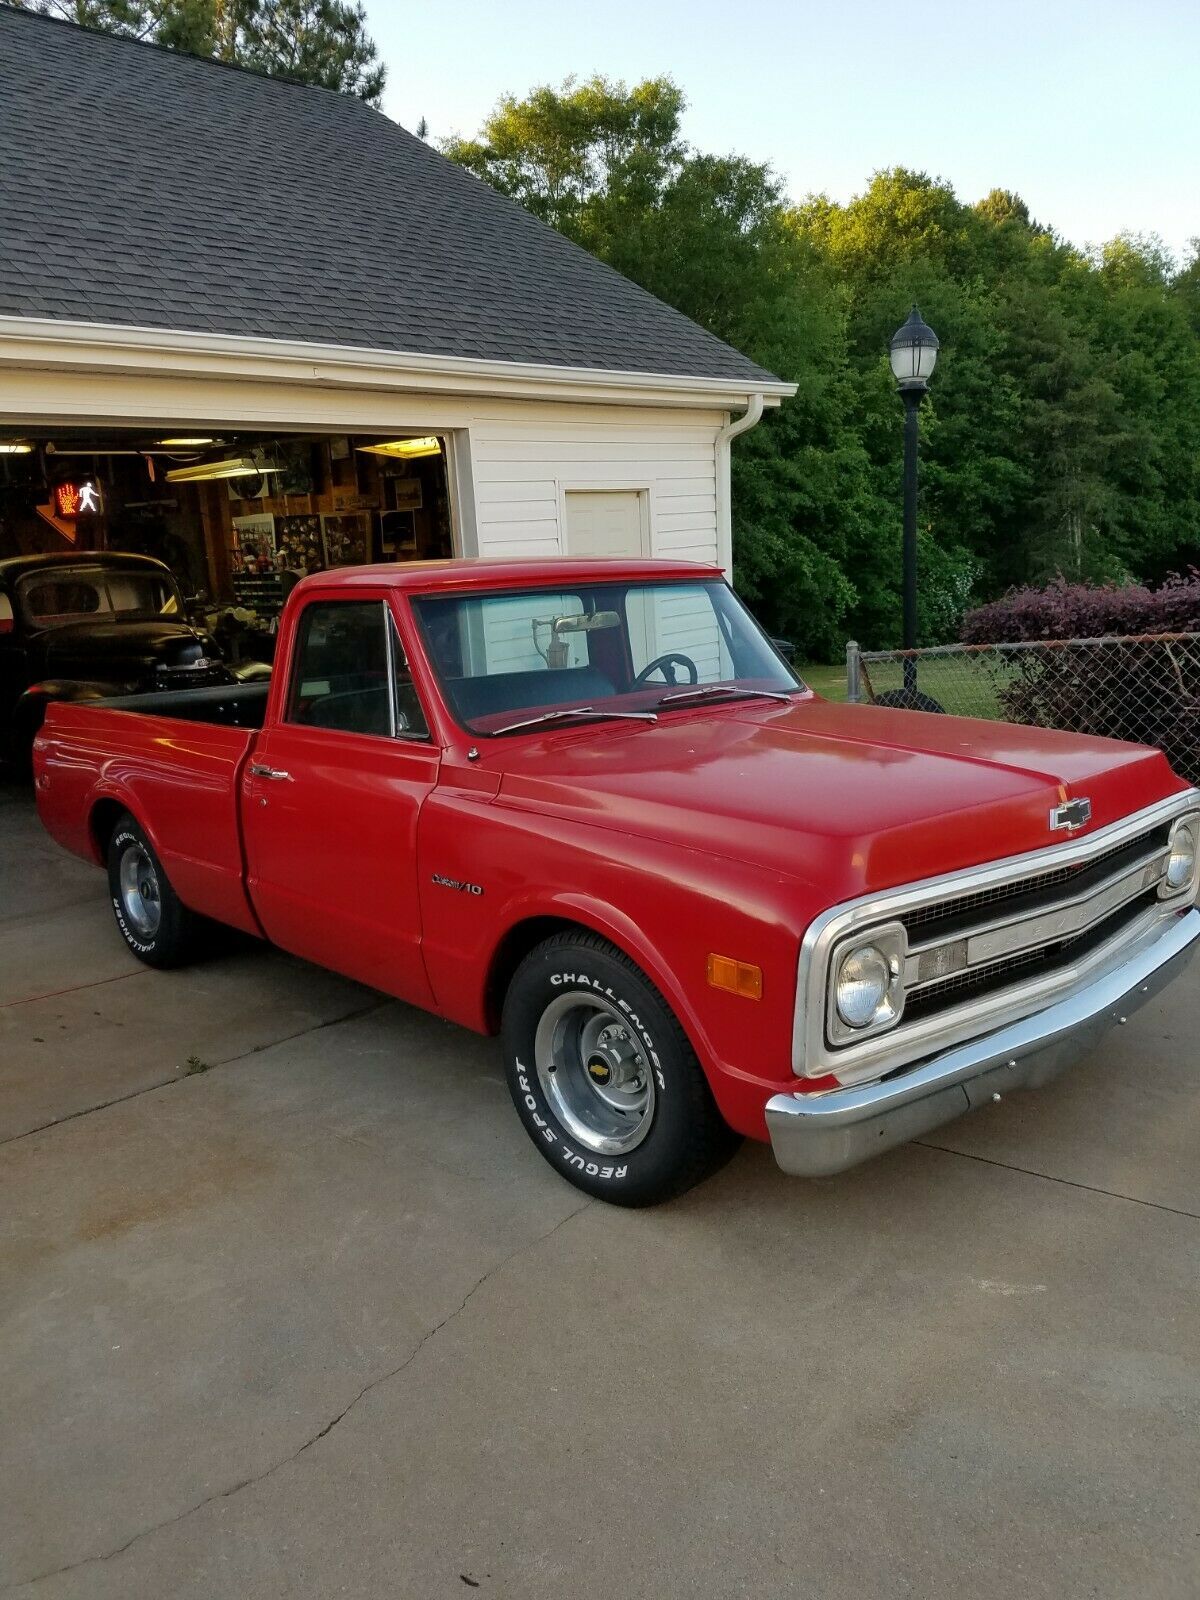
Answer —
748 419
47 344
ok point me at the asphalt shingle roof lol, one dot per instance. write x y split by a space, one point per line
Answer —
151 189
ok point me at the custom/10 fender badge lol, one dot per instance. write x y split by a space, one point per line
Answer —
456 883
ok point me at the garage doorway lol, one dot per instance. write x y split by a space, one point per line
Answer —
607 522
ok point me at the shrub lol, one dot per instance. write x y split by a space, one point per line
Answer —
1122 685
1086 611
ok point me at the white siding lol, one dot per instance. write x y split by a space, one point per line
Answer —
508 643
513 459
680 619
523 465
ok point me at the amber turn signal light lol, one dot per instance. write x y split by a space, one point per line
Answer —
739 977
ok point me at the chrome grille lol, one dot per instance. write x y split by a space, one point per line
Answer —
991 944
996 975
1030 926
185 677
922 924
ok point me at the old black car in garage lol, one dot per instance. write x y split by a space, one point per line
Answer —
82 626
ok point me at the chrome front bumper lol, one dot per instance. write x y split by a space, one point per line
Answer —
817 1134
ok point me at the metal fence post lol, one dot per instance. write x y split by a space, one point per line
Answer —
853 672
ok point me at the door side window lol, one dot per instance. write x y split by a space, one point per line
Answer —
350 673
340 677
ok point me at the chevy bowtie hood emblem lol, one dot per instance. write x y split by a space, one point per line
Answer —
1071 815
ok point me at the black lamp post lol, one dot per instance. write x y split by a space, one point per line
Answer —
913 353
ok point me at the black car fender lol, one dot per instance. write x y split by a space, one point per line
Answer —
30 709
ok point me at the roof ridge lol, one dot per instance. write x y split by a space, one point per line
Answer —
15 10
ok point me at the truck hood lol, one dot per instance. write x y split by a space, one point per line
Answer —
853 798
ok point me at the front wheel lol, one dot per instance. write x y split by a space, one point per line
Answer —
154 922
603 1076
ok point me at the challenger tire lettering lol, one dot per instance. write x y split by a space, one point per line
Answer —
141 946
592 1168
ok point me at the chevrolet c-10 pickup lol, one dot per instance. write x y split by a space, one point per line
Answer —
587 805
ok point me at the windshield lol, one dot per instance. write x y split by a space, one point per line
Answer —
71 594
506 658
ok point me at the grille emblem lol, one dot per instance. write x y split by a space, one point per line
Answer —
1071 815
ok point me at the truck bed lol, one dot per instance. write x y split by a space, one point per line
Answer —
228 706
179 758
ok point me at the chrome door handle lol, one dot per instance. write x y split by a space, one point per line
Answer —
275 773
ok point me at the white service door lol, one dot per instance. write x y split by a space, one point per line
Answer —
607 522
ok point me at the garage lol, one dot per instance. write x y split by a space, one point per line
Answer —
237 519
378 359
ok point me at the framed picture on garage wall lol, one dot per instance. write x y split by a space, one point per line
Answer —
299 542
347 539
405 494
254 543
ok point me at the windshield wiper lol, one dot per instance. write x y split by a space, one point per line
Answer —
574 713
725 692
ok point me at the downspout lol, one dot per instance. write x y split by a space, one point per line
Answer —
743 424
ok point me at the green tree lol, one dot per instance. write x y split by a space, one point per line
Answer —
1060 430
567 153
127 17
608 166
314 41
323 42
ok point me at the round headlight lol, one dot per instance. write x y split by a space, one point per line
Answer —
863 981
1181 863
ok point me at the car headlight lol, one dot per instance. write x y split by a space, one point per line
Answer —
1181 863
863 981
867 991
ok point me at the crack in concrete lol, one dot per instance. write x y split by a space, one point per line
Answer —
181 1077
323 1432
77 988
1050 1177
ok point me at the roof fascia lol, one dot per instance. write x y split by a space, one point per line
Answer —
97 347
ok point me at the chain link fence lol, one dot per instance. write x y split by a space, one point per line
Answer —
1145 689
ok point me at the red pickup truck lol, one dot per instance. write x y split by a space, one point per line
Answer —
585 804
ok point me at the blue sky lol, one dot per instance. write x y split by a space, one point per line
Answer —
1090 111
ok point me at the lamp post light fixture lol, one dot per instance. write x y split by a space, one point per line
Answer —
913 353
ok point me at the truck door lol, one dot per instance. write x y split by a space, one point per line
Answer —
331 800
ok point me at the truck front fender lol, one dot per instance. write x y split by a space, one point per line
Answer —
495 881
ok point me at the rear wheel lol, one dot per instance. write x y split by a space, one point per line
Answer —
603 1076
154 922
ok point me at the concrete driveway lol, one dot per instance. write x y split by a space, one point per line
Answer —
290 1307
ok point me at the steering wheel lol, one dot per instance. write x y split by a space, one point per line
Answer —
665 665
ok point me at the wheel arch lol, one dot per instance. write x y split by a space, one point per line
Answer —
529 930
514 945
105 813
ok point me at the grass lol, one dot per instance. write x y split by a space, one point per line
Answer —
827 681
965 686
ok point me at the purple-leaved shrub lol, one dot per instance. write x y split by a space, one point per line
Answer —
1130 686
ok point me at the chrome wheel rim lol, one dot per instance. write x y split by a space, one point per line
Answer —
595 1073
140 898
